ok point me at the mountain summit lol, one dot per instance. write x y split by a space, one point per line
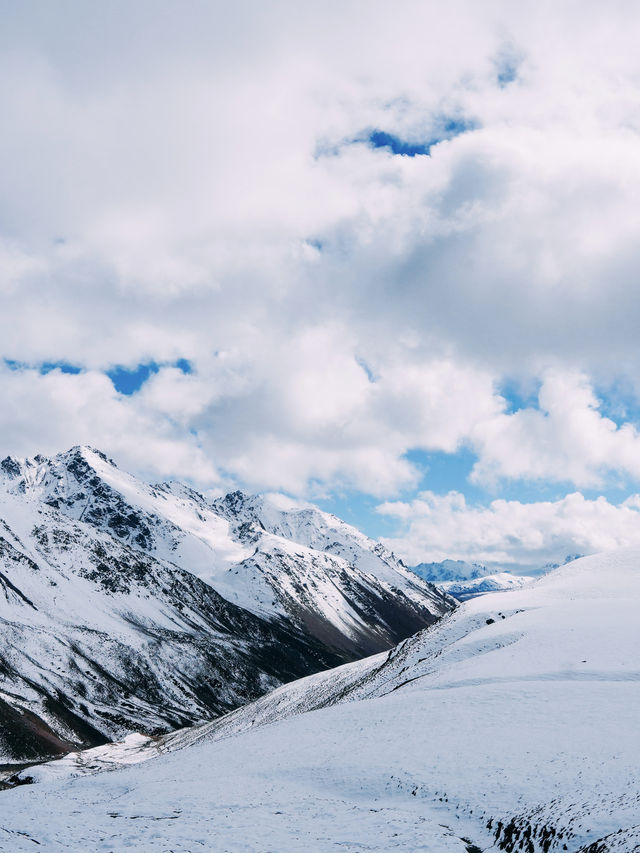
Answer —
130 607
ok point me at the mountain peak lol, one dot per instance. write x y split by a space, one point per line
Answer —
238 503
84 450
237 498
11 467
237 593
15 466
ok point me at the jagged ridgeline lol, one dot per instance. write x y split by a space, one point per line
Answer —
129 607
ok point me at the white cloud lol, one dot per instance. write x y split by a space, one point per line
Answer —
307 413
510 534
565 439
302 416
58 410
164 195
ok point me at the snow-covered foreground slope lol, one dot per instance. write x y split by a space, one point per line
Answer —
127 607
511 725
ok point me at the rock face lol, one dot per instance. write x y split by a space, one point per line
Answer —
128 607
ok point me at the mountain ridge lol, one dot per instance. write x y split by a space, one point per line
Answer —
131 607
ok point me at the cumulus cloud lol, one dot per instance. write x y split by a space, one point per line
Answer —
57 410
168 174
566 438
203 186
509 534
303 415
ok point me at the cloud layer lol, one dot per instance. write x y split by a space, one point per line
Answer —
214 183
509 534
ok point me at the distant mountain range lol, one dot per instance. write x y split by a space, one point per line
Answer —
450 570
465 580
128 607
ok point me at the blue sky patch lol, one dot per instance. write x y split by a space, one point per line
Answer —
128 380
507 66
448 128
63 367
620 403
360 510
444 128
363 364
45 367
507 73
518 395
445 472
381 139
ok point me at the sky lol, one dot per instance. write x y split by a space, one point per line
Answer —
382 257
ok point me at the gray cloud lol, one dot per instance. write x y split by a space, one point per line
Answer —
161 197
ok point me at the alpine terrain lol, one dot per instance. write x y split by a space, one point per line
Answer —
129 608
512 724
465 580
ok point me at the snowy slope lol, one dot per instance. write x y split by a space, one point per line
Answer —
301 564
511 725
127 607
99 639
324 574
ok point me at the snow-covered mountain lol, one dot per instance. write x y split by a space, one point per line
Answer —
462 590
465 580
450 570
510 725
128 607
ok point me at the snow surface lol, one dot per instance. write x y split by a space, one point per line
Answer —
512 724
